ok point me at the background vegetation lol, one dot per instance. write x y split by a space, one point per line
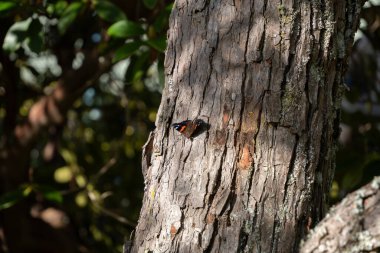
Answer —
90 166
358 157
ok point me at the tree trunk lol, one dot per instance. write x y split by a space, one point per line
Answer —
266 77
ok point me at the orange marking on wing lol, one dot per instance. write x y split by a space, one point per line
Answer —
182 129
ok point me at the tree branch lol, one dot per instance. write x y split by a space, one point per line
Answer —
351 226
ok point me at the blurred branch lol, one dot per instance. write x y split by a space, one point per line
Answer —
105 168
113 215
93 180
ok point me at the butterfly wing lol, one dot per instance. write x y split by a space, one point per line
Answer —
187 127
181 126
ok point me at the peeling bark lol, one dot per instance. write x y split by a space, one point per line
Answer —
267 77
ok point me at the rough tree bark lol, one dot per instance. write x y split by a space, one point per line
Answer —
267 78
351 226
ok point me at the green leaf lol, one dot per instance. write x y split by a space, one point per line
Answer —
69 16
63 174
124 29
27 34
26 190
6 7
169 7
60 7
126 50
161 22
10 198
137 63
50 193
150 3
35 40
68 156
159 44
108 11
16 34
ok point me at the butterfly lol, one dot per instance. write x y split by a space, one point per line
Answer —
188 127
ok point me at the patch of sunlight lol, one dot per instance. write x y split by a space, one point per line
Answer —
63 175
130 130
334 191
105 146
88 135
81 199
152 116
81 180
24 109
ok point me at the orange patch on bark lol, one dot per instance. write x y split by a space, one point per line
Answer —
226 117
173 231
210 218
246 159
